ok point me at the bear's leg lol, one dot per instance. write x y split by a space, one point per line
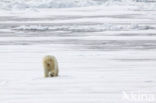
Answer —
46 73
56 72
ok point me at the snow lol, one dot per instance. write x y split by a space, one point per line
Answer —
103 50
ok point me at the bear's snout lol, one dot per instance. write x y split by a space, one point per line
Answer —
48 64
52 75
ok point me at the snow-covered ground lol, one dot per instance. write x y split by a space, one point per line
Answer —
106 51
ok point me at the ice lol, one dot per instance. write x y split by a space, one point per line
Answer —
25 4
32 27
90 28
105 49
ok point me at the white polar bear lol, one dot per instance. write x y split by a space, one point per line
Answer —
50 66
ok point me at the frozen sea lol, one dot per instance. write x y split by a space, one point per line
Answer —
106 51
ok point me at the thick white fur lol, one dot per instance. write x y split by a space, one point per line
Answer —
50 65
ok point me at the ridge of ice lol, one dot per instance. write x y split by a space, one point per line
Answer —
104 27
24 4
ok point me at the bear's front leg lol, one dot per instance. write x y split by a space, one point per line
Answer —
46 73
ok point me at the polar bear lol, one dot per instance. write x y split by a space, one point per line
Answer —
50 65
